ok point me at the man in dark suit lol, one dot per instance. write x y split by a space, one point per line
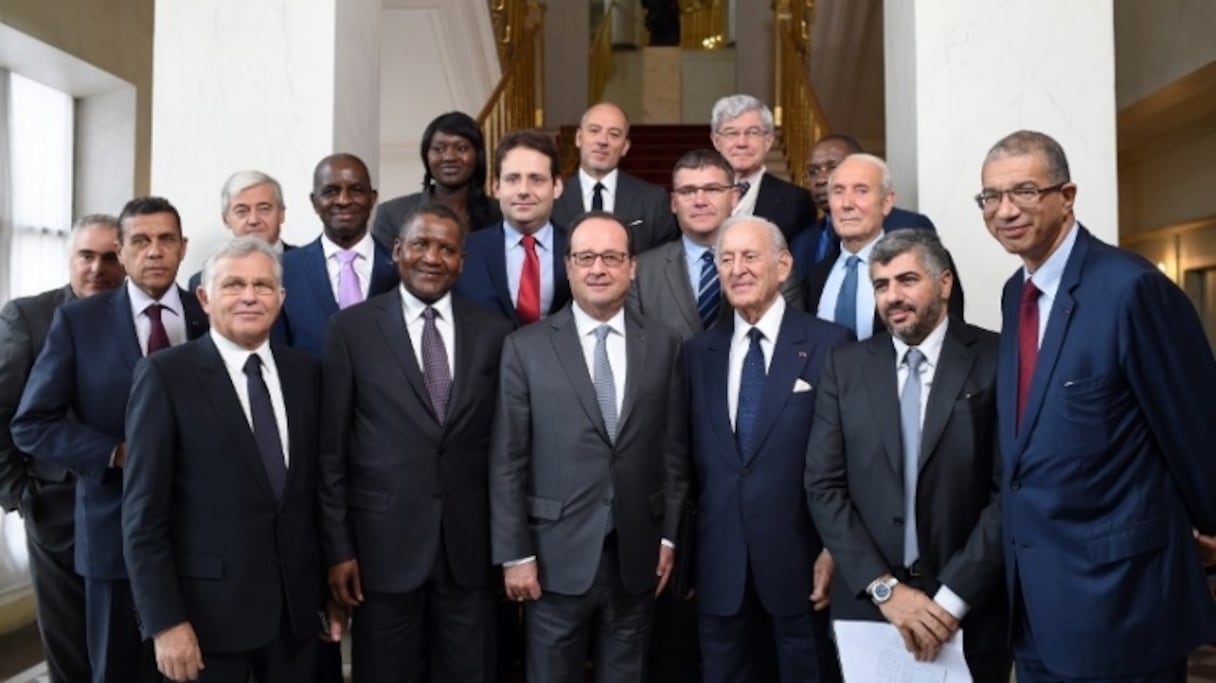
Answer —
73 415
902 473
404 465
343 266
45 494
588 467
251 205
1105 388
743 132
518 270
862 195
762 580
219 495
599 185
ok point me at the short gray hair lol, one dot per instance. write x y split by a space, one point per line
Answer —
779 243
886 186
733 106
1025 142
236 248
928 247
243 180
91 219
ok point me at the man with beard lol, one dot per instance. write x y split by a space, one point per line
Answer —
902 473
342 267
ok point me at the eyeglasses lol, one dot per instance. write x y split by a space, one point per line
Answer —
612 259
1022 197
712 191
749 133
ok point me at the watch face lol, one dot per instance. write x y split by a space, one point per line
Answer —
882 592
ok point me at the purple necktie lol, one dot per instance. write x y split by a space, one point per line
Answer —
435 371
349 291
158 337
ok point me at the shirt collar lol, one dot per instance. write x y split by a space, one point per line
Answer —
863 253
414 307
930 347
585 324
364 247
769 323
544 236
693 249
753 180
587 183
235 356
140 300
1047 277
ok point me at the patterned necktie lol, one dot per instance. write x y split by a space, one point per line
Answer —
1028 343
909 424
605 383
825 238
751 390
846 299
158 338
349 291
597 198
744 186
265 427
528 304
435 371
709 291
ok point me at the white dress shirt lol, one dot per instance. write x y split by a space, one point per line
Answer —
515 262
235 358
608 194
413 309
865 290
172 316
747 203
615 342
770 325
1047 277
366 250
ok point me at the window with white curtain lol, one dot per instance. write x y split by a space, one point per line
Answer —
40 136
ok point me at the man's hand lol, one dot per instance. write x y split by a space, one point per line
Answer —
336 619
667 560
120 455
177 655
520 582
1207 549
924 624
821 589
345 585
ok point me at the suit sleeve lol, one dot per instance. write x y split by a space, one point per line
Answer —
664 227
677 465
16 358
792 290
510 460
337 381
152 448
43 427
1172 373
827 485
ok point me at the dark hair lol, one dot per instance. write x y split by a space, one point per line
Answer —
535 140
848 141
702 158
481 210
433 209
1024 142
925 243
583 218
146 206
340 156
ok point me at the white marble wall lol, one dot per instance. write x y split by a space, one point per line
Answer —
105 151
959 76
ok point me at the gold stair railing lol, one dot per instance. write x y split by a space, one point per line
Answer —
797 110
600 64
703 24
518 99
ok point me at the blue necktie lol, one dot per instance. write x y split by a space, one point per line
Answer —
709 292
265 427
846 299
909 424
825 238
751 390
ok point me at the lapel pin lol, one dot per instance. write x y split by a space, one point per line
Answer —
801 354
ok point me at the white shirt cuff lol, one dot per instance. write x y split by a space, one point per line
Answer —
951 602
666 543
516 563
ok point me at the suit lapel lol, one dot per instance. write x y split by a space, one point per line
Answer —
717 373
953 367
384 273
318 279
391 322
791 352
569 350
196 318
882 389
465 333
561 283
676 276
124 327
295 404
635 367
496 266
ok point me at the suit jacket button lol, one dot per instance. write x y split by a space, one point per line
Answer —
745 471
898 521
1016 484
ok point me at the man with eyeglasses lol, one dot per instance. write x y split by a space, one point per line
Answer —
743 131
599 185
1105 388
589 467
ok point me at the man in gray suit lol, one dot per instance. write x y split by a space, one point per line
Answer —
599 185
45 493
902 473
677 282
589 466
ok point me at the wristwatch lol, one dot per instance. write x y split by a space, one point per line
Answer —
882 589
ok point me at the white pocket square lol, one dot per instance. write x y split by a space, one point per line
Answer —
801 385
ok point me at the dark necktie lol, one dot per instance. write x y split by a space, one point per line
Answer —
265 427
709 291
597 198
528 304
751 390
825 238
909 423
744 187
1028 343
846 298
605 383
435 371
158 338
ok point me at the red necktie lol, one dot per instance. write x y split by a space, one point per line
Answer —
528 304
158 338
1028 342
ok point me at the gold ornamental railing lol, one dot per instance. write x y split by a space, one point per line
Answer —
703 24
797 110
600 64
518 99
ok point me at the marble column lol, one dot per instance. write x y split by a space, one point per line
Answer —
273 85
959 76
